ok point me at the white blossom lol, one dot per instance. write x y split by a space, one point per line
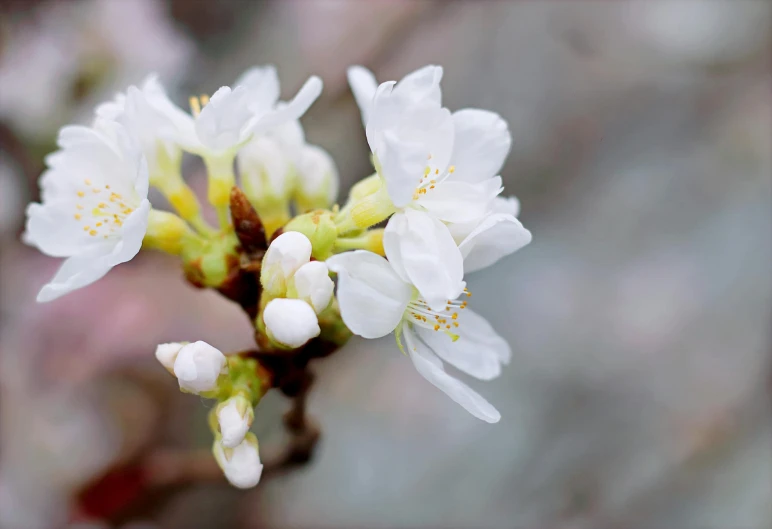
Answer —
439 169
241 465
290 322
198 367
375 301
94 208
228 119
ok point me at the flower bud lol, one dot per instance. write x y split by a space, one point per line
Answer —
317 182
198 366
166 353
267 178
288 252
312 284
320 229
234 416
290 322
241 465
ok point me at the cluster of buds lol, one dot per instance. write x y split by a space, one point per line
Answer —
308 272
233 381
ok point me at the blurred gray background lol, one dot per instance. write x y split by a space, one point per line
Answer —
639 391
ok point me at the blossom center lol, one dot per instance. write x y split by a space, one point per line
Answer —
419 313
430 178
101 210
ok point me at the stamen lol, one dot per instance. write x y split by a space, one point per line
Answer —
195 106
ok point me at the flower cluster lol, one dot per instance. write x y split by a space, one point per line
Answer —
281 239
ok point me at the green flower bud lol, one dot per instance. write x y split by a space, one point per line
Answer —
320 229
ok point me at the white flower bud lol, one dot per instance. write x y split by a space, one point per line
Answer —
198 366
235 416
266 170
241 465
288 252
166 353
317 178
312 284
290 322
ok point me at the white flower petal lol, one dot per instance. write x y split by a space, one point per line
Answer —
400 162
166 353
265 168
76 272
290 322
421 85
292 110
234 417
496 236
456 201
371 295
289 134
262 82
363 85
421 249
317 175
509 205
222 124
241 465
479 351
482 142
430 367
313 285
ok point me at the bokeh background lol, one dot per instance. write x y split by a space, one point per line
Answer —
639 317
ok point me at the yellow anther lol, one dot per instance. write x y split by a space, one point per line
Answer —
92 232
195 105
455 324
436 171
95 190
204 99
426 171
452 169
81 194
447 326
98 224
101 205
455 316
77 216
431 187
432 181
107 187
87 182
86 228
436 327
